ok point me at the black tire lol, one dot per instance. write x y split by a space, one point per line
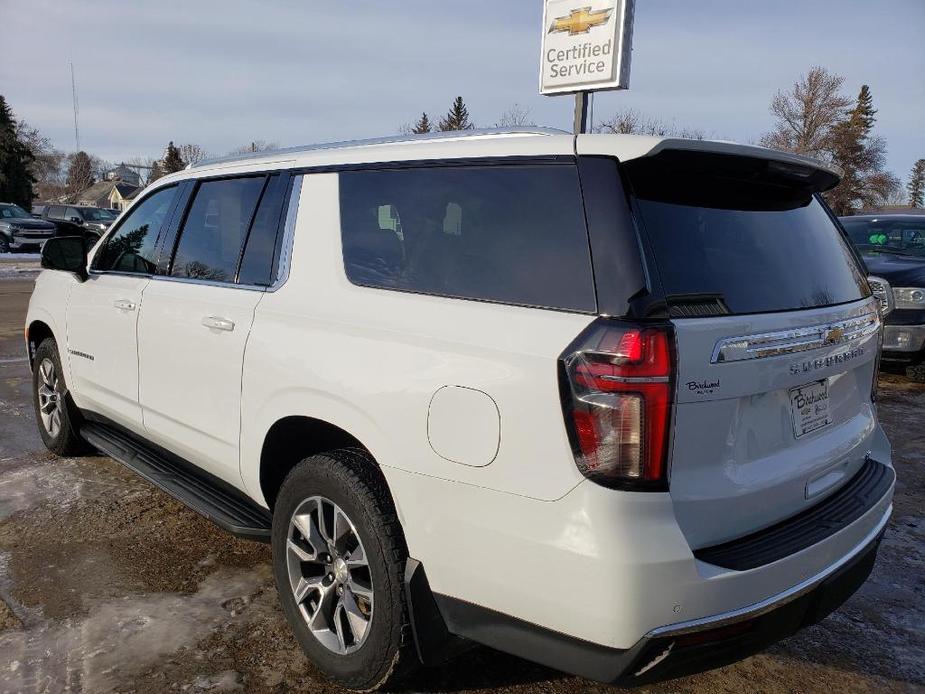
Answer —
4 244
62 439
350 479
916 373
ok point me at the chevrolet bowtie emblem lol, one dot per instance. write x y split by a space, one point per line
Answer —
833 335
579 21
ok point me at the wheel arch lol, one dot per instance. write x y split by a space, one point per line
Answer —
290 440
36 331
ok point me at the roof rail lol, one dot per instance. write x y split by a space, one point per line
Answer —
392 139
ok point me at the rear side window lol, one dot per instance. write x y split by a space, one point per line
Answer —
513 233
215 228
56 212
257 263
732 233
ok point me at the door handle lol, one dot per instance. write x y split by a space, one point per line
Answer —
218 323
124 305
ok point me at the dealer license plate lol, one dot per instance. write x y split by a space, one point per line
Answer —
809 407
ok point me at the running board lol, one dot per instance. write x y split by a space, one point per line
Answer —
225 506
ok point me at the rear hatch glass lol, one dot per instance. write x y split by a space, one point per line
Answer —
749 237
775 361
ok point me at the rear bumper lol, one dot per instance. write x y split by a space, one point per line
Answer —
679 649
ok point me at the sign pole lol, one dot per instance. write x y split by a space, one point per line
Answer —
581 112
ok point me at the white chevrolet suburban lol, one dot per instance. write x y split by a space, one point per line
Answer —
605 402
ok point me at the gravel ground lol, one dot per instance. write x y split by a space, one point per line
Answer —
106 584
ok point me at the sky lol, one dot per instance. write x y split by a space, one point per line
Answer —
222 73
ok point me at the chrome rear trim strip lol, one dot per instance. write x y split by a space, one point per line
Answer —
795 340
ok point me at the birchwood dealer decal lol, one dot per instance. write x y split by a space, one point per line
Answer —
586 45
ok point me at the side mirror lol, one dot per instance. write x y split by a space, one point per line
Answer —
66 253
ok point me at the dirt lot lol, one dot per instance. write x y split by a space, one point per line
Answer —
106 584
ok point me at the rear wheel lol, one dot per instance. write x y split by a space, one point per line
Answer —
49 394
916 373
338 558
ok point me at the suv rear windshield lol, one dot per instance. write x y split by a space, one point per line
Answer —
729 230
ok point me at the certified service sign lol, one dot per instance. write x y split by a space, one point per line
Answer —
586 45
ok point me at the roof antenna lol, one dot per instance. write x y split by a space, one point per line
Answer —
76 107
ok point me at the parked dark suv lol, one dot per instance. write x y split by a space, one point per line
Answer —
19 230
73 220
893 248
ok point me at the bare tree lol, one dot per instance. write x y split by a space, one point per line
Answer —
516 116
255 146
79 172
631 122
47 161
808 113
192 153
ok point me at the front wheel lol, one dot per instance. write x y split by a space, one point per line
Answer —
4 244
49 396
339 557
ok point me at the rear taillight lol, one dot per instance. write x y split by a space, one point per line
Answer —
616 396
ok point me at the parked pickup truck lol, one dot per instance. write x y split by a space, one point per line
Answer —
893 248
20 231
76 220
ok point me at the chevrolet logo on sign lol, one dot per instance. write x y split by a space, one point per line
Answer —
586 45
580 21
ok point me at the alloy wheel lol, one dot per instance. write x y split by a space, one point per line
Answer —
329 575
50 399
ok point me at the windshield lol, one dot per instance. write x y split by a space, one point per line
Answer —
898 237
92 214
13 212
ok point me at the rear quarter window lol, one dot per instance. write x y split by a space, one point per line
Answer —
510 233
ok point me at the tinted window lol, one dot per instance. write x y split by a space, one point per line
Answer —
212 236
131 247
514 234
751 243
71 213
56 211
885 235
13 212
257 263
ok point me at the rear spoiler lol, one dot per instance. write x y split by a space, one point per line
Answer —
807 172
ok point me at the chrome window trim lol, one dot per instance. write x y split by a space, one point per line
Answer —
793 340
285 251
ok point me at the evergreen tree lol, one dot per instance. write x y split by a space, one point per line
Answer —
16 162
916 184
155 173
172 159
864 112
861 157
79 172
457 118
422 125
